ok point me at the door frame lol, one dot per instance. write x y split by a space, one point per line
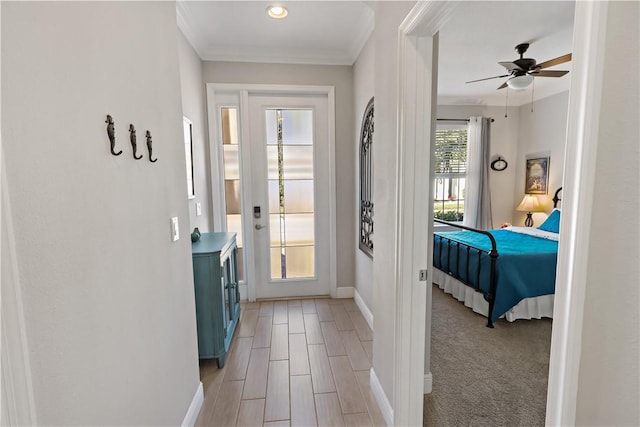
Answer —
421 26
248 291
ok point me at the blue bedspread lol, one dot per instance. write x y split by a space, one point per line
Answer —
526 265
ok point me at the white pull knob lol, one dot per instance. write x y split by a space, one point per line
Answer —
259 226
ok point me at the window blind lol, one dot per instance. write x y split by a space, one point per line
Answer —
451 152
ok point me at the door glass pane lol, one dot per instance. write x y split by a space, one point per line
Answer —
231 170
300 261
229 125
272 162
297 127
298 162
232 195
298 229
298 195
231 162
291 197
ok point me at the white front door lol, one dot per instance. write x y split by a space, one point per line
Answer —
275 187
289 146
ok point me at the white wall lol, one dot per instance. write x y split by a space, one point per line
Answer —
388 17
504 143
363 72
544 132
193 107
108 298
341 77
608 391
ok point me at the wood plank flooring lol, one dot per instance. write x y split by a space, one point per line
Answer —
293 363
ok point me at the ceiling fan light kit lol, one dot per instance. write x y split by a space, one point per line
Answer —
522 71
520 82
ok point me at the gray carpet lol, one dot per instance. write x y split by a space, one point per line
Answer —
486 377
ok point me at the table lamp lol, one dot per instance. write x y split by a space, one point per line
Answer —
529 205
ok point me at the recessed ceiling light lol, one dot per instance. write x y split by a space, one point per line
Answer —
277 12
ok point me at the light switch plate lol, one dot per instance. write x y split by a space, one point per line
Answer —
198 209
175 230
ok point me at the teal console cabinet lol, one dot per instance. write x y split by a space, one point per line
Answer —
215 276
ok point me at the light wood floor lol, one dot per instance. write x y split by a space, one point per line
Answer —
298 363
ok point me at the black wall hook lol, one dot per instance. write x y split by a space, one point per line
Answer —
132 136
150 147
111 133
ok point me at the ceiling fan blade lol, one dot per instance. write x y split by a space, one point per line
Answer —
502 86
559 60
510 66
489 78
549 73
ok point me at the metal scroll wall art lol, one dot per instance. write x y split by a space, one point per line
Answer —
366 181
111 134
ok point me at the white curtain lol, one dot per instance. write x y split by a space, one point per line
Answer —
477 203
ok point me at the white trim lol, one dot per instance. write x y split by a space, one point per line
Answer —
416 100
366 313
381 398
213 52
244 292
428 383
17 386
583 118
244 90
185 24
344 292
194 409
361 39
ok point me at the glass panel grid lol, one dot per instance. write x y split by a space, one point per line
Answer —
231 172
291 198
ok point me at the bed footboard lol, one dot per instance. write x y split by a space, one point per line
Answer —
457 259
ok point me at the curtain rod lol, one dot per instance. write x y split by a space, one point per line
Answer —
460 120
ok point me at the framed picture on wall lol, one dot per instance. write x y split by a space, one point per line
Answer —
537 176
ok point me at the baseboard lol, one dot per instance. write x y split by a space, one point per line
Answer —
344 292
194 409
428 383
244 292
366 313
385 406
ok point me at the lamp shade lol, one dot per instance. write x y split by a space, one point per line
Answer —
530 204
520 82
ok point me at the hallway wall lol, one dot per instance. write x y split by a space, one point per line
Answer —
108 297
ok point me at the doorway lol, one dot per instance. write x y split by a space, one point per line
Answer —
272 185
417 35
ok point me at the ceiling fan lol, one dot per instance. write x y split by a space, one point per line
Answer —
523 70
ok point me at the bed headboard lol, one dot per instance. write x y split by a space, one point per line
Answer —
556 199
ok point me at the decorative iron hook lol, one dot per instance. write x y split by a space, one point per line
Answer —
150 148
111 133
132 136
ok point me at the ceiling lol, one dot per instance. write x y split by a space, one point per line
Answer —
478 35
314 32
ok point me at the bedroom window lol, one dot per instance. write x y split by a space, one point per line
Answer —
450 172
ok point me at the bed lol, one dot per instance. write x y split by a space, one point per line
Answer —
509 272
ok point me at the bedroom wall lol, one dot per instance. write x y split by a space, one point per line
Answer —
362 92
108 297
388 17
194 108
609 371
341 77
541 133
504 142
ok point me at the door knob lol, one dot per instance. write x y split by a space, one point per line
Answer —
259 226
